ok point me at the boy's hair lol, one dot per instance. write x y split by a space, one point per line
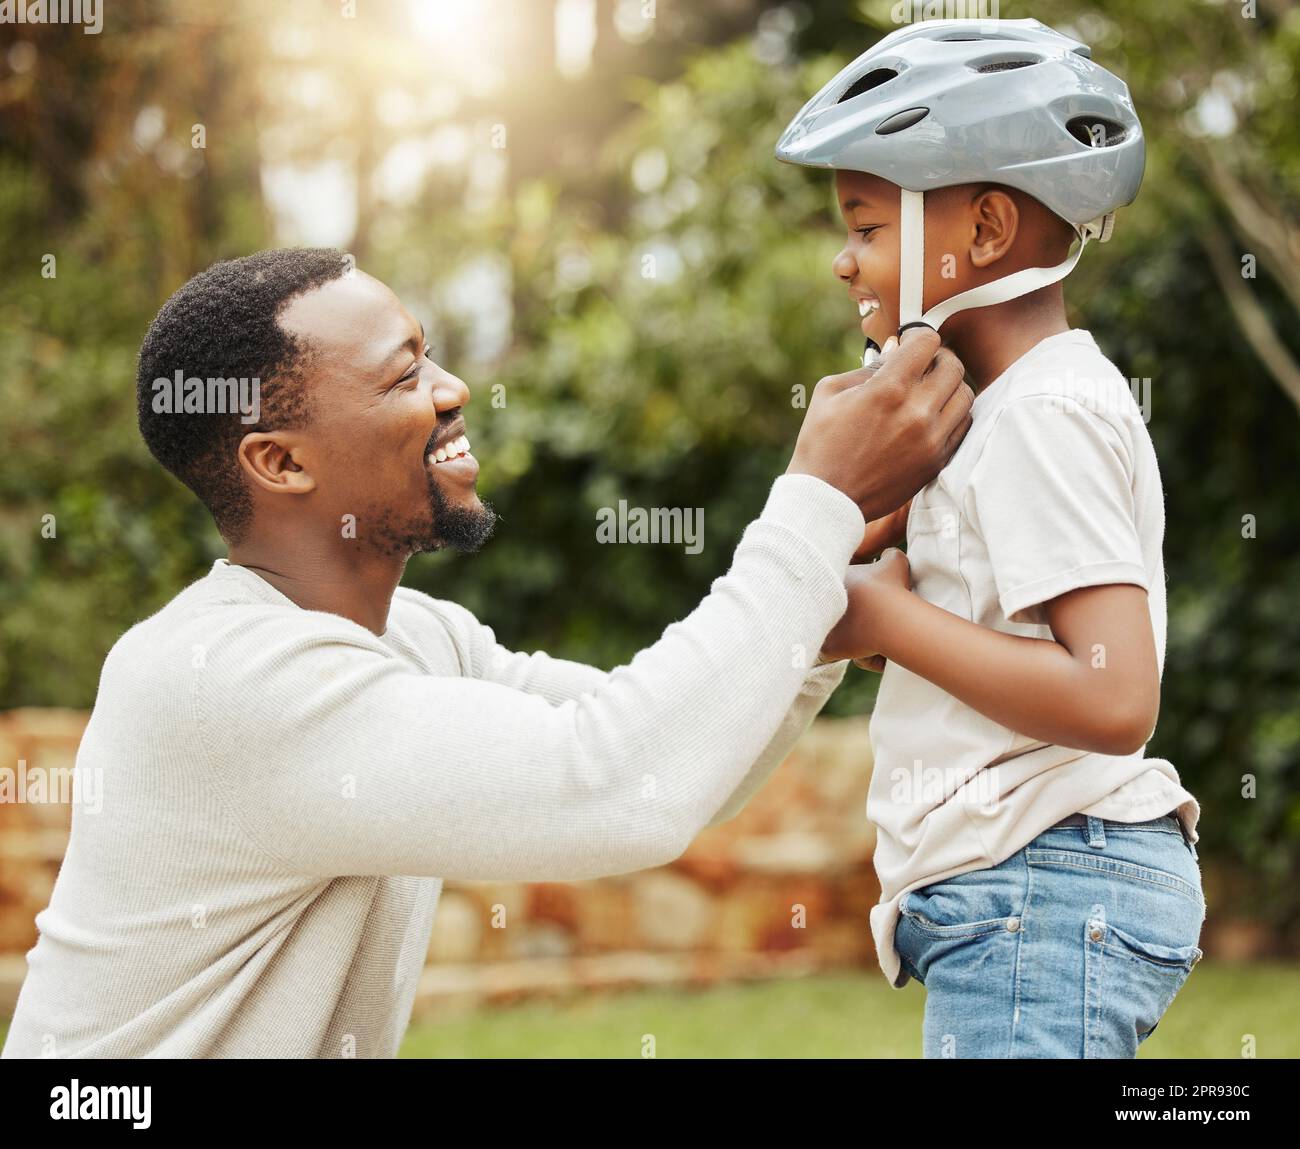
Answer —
223 324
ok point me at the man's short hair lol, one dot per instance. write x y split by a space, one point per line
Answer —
223 324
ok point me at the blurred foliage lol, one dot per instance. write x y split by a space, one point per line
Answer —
669 286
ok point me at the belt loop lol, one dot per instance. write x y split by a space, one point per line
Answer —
1096 833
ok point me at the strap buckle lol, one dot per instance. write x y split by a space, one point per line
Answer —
1100 229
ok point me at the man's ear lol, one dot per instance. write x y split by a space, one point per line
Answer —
995 220
270 459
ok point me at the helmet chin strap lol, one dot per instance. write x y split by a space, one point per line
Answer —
911 277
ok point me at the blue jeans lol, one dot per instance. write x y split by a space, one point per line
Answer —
1072 947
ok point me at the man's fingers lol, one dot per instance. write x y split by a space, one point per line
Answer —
930 372
943 377
833 384
903 361
908 358
959 404
916 347
956 435
954 418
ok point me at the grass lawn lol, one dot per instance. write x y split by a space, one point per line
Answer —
844 1015
847 1015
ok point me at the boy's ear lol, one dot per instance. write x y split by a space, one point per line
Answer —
995 222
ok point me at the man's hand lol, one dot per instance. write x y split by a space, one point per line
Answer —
879 434
873 590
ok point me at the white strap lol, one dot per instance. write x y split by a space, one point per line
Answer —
911 256
1011 286
911 270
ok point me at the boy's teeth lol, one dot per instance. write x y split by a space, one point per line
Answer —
866 307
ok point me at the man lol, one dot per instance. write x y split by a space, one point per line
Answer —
295 752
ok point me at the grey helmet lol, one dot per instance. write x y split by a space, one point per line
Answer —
946 102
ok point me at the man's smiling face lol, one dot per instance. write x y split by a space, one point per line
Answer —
383 413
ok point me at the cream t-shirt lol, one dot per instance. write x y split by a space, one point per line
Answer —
1055 487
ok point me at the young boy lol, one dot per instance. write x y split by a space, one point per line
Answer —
1038 874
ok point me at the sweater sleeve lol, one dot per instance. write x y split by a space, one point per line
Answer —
555 679
558 680
817 688
334 758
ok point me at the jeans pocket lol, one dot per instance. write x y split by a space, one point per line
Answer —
965 927
965 906
1129 984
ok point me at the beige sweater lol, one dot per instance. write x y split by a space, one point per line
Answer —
284 792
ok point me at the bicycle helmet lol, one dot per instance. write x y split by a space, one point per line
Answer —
946 102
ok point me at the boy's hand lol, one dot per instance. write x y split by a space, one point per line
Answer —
888 531
873 588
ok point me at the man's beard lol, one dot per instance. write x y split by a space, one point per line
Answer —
463 529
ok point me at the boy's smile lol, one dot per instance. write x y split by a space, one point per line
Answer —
864 263
869 261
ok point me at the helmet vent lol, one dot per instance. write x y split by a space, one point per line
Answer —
1096 131
901 120
872 79
1007 65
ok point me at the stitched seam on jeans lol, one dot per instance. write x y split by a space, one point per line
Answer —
972 929
1093 969
1147 874
1121 949
1123 944
1015 977
1120 828
1042 854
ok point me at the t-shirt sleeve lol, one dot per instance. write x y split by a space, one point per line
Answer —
1052 496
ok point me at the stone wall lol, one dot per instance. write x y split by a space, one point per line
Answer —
33 835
